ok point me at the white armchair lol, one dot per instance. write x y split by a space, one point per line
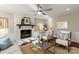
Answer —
64 39
48 35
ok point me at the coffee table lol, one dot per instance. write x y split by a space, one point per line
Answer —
45 46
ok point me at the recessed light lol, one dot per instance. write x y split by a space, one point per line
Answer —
68 9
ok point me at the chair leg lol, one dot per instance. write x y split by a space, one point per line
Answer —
54 46
68 45
68 49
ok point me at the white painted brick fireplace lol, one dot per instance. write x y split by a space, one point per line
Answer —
26 28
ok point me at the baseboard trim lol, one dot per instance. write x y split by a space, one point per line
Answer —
75 44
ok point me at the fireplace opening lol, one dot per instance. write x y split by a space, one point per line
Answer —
25 33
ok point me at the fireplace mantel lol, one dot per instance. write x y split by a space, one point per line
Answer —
20 25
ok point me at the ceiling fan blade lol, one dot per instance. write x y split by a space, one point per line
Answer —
48 9
43 13
38 6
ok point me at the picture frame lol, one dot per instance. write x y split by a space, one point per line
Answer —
3 22
27 20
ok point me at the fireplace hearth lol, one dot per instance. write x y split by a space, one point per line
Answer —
25 33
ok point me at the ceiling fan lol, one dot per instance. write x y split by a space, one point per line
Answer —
40 10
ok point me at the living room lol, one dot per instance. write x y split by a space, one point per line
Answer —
26 18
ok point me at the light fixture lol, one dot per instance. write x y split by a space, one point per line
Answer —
39 12
68 9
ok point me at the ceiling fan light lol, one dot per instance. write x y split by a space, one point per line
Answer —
39 13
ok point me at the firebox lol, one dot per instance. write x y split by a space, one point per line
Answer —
25 33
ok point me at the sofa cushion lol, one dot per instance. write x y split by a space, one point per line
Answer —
44 37
62 42
64 35
61 35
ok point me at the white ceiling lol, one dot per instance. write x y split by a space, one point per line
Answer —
14 8
58 9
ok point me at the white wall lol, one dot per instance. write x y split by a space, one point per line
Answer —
73 25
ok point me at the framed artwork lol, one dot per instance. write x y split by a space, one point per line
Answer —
3 22
25 20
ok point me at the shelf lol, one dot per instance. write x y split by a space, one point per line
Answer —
20 25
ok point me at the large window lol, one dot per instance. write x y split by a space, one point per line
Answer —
62 25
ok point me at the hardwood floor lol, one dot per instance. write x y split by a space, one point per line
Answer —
32 49
75 44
